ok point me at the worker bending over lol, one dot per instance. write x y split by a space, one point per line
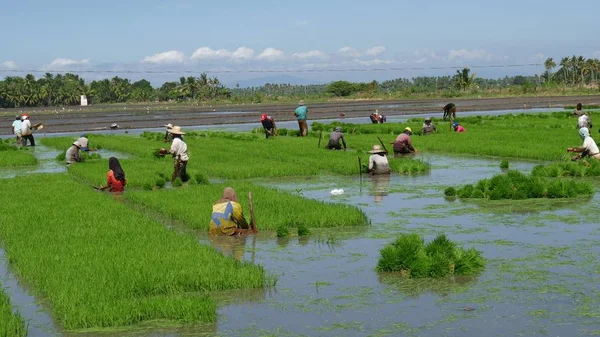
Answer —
589 148
403 143
227 216
378 162
269 125
334 140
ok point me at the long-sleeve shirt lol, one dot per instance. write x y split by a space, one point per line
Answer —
226 218
179 148
72 155
26 127
379 164
403 143
428 128
334 139
113 183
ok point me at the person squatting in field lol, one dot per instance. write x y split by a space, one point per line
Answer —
179 152
72 155
115 177
334 140
428 127
377 118
403 143
457 127
300 113
589 147
378 162
227 216
269 125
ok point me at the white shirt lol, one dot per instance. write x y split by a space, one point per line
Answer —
26 127
590 145
179 148
17 127
583 121
380 163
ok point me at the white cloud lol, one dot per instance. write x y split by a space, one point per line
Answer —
10 65
206 53
242 53
539 57
168 57
469 54
375 51
271 54
61 62
349 52
313 54
374 62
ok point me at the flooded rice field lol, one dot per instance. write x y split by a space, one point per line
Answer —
541 277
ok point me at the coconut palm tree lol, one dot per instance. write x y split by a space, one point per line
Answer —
565 64
549 64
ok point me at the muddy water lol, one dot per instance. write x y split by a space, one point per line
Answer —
541 276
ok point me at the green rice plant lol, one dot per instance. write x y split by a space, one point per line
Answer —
160 183
517 186
450 192
106 265
283 231
272 208
177 182
303 230
589 168
201 179
13 156
441 257
504 164
11 322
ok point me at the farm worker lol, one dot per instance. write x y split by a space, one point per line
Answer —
450 111
83 140
227 216
168 137
334 140
26 131
376 117
16 128
403 144
578 111
378 162
584 122
300 114
589 147
457 127
73 155
428 127
179 152
115 177
269 125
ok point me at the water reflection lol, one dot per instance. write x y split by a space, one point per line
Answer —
379 186
417 287
234 246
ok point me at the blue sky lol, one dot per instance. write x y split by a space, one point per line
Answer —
239 35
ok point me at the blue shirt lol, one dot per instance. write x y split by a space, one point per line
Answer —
301 112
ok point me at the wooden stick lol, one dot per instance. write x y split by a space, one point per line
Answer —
359 167
383 145
252 220
320 136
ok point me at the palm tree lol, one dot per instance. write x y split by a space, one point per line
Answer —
565 64
581 64
549 64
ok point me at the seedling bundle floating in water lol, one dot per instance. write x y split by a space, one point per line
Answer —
441 257
518 186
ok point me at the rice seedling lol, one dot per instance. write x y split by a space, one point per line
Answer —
177 182
101 264
410 256
283 231
11 322
588 168
273 208
12 156
516 185
450 192
504 164
303 230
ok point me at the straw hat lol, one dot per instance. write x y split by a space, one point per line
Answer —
169 126
176 130
76 143
408 129
301 102
376 149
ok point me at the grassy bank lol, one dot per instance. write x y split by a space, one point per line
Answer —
12 156
11 323
101 264
273 208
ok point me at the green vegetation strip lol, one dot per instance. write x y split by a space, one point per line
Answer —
12 156
441 257
101 264
516 185
11 323
589 168
193 206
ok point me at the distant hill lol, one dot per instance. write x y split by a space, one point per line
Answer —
280 79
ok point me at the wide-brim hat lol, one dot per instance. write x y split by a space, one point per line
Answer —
377 149
301 102
168 126
408 129
176 130
76 143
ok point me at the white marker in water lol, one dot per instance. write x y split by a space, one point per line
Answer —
337 191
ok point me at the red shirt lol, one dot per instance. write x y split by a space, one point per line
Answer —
114 184
460 128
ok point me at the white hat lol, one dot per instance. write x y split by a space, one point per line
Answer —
169 126
176 130
376 149
77 143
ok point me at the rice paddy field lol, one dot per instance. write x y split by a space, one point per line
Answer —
327 258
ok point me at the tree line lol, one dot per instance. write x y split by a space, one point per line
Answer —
59 89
